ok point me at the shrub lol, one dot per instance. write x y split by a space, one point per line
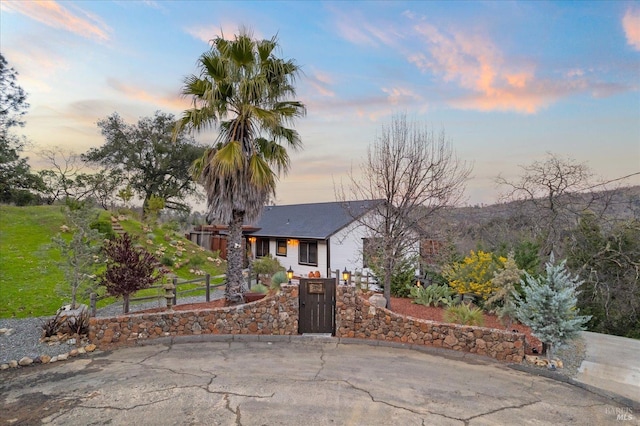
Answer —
79 324
278 278
260 288
196 261
167 260
104 227
474 274
505 282
51 326
433 295
129 268
267 265
464 314
78 254
402 276
549 307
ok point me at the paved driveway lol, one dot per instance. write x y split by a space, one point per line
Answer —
612 363
302 382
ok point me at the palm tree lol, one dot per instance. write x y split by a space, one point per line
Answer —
244 90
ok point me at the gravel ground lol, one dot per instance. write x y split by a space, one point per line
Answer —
24 339
571 353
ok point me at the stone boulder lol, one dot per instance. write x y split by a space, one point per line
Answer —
378 301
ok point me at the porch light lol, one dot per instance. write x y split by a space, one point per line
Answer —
289 274
345 276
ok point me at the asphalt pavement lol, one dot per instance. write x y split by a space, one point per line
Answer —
272 380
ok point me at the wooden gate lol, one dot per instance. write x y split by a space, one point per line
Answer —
317 305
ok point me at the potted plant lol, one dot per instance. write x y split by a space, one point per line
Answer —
256 292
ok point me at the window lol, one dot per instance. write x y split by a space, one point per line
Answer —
308 253
281 247
262 247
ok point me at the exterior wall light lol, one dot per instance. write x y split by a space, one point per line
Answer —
345 276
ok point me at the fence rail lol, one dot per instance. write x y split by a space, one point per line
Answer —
364 281
177 283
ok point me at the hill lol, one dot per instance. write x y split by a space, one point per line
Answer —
29 271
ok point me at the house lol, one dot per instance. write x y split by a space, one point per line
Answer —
313 237
316 237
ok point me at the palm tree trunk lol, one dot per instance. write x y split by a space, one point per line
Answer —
233 289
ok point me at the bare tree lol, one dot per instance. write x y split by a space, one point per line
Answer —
66 178
59 180
415 173
555 191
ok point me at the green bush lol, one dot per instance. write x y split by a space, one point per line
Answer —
267 265
196 261
402 277
464 314
104 227
433 295
260 288
167 260
278 278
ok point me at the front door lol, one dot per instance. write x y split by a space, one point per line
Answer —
317 306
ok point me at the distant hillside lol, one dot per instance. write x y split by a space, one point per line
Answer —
502 222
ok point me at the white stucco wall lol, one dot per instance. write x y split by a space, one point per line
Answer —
346 249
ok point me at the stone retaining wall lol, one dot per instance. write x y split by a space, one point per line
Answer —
357 318
278 315
273 315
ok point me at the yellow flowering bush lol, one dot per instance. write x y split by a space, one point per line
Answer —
474 274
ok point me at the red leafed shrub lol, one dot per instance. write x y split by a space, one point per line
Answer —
129 268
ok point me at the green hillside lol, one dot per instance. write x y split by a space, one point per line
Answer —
29 272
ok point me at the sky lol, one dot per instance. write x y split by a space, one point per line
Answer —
507 82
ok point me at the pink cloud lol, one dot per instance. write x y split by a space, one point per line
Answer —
356 29
474 63
173 102
321 83
55 15
207 33
402 95
631 26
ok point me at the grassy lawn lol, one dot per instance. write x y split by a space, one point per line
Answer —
29 272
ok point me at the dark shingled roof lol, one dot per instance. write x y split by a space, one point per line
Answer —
314 221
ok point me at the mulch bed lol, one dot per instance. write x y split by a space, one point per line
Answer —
405 306
399 305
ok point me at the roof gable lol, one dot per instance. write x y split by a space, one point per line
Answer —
313 221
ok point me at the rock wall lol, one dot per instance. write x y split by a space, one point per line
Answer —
271 315
278 315
357 318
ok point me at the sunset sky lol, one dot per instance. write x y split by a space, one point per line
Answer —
506 81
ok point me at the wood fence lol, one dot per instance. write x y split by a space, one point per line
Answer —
363 281
205 282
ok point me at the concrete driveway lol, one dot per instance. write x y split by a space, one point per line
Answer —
303 381
612 363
